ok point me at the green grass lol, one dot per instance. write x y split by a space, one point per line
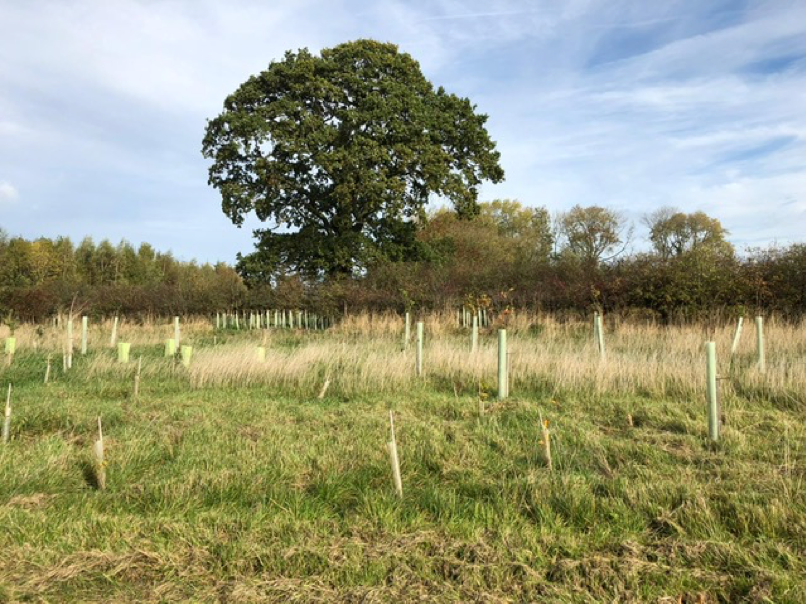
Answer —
247 494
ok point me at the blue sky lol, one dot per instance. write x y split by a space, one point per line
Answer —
628 104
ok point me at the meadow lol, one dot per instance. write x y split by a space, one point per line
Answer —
242 479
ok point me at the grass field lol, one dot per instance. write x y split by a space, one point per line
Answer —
232 481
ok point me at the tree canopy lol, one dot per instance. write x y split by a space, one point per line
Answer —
339 153
673 233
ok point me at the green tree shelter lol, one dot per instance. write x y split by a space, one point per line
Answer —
338 155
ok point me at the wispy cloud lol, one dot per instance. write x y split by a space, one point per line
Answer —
617 102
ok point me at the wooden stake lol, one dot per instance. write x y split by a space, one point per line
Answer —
47 371
544 426
7 418
392 447
136 393
325 386
100 463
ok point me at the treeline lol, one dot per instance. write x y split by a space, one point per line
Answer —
507 256
41 277
515 256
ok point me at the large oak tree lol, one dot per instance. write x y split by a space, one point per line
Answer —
338 155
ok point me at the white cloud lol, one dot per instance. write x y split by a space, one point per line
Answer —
8 192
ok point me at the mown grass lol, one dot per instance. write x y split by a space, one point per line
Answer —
259 491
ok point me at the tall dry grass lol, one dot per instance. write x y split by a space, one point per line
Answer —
52 338
365 355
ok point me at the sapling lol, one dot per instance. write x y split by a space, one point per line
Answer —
187 353
711 391
11 341
762 366
69 343
503 377
84 330
113 340
419 358
11 348
736 336
598 332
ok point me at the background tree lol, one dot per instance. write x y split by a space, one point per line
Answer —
339 154
594 233
527 229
